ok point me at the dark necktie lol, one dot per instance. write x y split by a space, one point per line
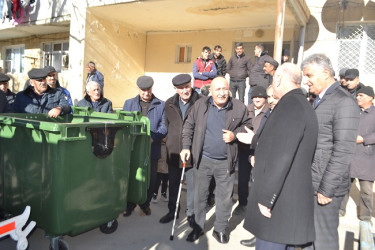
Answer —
316 101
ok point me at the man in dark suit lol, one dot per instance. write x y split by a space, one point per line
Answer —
338 119
280 210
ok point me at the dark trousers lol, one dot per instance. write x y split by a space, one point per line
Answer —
240 86
162 179
250 100
218 169
267 245
174 174
365 206
150 190
326 220
244 170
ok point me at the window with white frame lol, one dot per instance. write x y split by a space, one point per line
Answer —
183 54
356 48
13 59
56 54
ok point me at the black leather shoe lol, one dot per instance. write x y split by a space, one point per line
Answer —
191 220
220 237
248 243
167 218
195 234
145 211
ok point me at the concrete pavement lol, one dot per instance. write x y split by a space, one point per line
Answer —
145 232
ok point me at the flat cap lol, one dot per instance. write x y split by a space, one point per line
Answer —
271 61
145 82
351 73
367 90
181 79
37 74
4 78
49 69
259 91
342 72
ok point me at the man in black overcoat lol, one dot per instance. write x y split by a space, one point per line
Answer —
281 205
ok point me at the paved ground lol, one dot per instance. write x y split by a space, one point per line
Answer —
145 232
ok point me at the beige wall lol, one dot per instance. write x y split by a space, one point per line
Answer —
119 54
161 52
32 57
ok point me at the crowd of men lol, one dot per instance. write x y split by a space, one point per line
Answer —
300 154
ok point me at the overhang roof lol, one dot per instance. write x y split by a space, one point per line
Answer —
182 15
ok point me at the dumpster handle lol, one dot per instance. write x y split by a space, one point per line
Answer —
80 137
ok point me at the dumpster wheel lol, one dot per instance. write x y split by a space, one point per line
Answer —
109 227
62 245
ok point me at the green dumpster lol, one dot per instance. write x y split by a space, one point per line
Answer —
77 172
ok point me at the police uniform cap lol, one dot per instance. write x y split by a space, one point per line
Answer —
181 79
49 69
37 74
4 78
145 82
367 90
271 61
259 91
351 73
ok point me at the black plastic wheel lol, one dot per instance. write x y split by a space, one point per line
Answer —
109 227
62 245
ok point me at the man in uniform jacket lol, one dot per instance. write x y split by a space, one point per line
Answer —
338 118
362 166
280 211
152 107
177 108
40 98
208 137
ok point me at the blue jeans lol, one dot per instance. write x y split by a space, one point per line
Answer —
250 100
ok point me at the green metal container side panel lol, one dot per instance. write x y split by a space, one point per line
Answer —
71 194
69 189
139 178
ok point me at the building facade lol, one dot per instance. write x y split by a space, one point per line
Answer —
127 38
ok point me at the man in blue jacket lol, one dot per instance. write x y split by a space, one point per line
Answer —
153 108
94 75
40 98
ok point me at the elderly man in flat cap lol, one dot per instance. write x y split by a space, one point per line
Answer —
177 108
270 67
4 87
41 98
153 108
53 82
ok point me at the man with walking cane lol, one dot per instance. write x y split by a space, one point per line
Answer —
177 108
209 138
